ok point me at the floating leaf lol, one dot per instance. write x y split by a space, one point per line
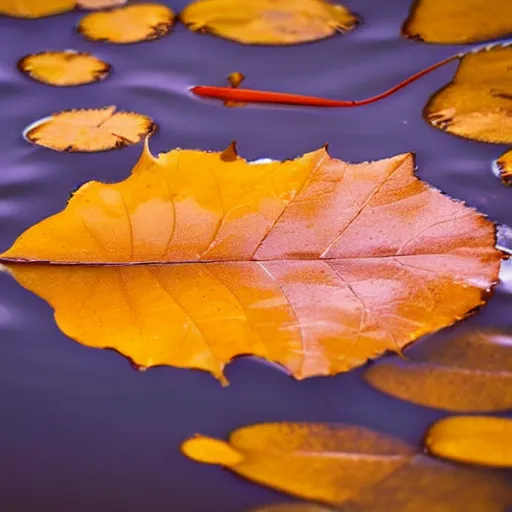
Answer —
267 21
129 24
89 130
65 68
351 468
468 373
328 463
504 167
313 263
458 21
99 4
35 8
475 439
428 485
477 103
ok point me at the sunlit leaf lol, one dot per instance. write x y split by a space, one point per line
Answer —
65 68
312 263
504 167
353 469
475 439
468 373
328 463
128 24
458 21
89 129
99 4
267 21
35 8
477 103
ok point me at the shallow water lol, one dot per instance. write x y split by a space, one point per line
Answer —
81 431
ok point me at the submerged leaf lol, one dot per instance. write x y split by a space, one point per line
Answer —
458 21
129 24
504 167
477 103
35 8
89 130
267 21
468 373
475 439
65 68
352 468
313 263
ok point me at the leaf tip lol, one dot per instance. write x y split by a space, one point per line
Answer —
230 154
208 450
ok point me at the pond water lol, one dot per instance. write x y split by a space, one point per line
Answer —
82 431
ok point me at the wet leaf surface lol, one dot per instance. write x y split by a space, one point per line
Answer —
89 130
472 439
65 68
128 24
458 21
351 468
477 103
467 373
222 271
269 22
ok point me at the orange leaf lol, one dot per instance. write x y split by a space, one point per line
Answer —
313 263
504 167
469 373
89 130
99 4
65 68
267 21
476 439
128 24
476 103
458 21
352 468
35 8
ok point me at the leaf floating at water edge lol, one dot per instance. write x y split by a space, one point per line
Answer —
323 462
270 260
458 21
504 167
477 103
64 68
99 4
129 24
268 22
89 130
35 8
467 373
472 439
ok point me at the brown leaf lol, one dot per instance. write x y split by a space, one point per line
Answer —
89 130
475 439
468 373
128 24
35 8
458 21
353 469
65 68
314 263
477 103
268 22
